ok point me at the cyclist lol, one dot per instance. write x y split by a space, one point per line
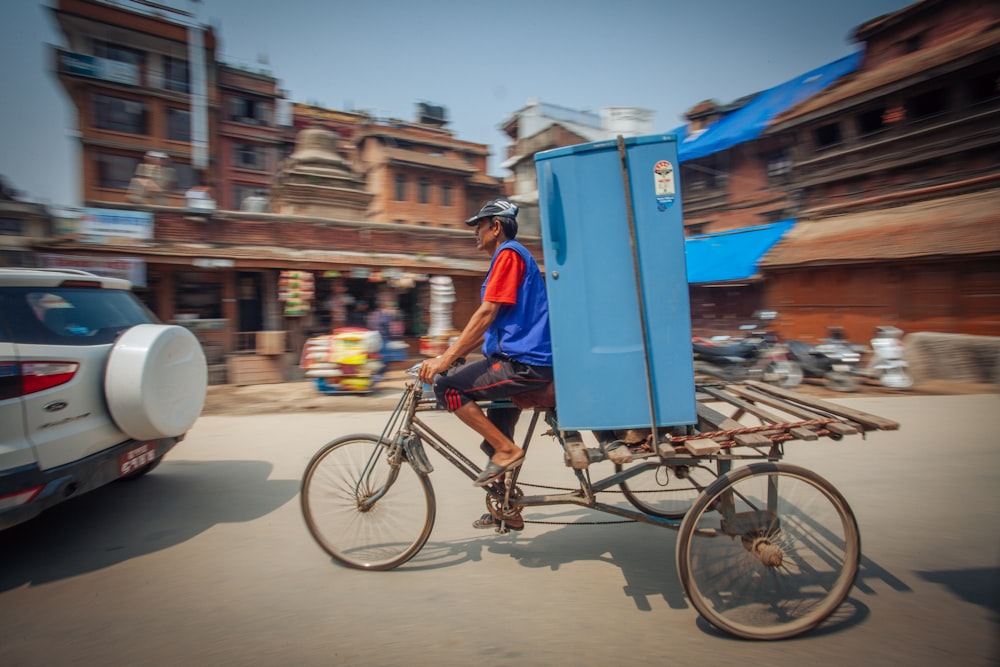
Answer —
513 322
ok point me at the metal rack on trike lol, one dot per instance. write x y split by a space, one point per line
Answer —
766 549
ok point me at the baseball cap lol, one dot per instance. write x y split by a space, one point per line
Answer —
500 207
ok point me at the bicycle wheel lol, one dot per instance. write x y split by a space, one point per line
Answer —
666 491
768 551
365 505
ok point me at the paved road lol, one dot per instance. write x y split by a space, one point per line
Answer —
207 562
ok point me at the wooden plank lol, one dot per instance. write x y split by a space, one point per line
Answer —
783 405
803 433
752 440
764 415
715 419
701 446
841 428
866 420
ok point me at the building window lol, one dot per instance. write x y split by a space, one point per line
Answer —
828 135
249 156
779 166
118 53
424 190
925 105
871 121
700 176
120 115
176 75
446 194
115 171
247 110
185 176
11 227
178 124
400 187
984 88
913 43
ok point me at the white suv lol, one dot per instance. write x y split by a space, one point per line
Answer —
92 387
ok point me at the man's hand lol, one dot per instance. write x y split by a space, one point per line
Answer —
432 367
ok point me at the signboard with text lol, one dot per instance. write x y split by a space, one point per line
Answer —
131 269
102 225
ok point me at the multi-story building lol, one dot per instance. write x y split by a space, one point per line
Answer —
146 86
139 83
540 126
897 175
249 138
22 225
421 173
736 201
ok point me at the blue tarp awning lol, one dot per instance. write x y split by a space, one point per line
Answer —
750 120
731 255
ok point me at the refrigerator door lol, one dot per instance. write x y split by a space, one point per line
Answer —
594 296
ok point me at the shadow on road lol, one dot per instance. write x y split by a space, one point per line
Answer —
177 501
980 586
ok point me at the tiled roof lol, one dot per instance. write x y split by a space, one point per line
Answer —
912 64
423 136
400 155
965 224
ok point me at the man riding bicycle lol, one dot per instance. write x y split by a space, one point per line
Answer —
513 322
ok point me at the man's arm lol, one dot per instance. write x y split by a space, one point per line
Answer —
467 341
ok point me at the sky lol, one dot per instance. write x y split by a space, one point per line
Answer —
481 60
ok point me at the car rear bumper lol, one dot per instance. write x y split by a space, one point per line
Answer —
56 485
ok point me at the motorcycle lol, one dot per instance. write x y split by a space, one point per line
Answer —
759 355
835 360
886 363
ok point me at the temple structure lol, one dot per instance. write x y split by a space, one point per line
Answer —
316 181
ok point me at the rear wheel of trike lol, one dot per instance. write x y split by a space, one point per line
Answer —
365 505
666 491
768 551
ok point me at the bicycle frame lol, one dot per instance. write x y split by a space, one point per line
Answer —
406 422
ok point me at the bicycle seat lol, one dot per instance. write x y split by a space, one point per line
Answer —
543 397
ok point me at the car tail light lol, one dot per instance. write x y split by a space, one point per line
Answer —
18 498
38 376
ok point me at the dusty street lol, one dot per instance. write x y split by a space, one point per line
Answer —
206 561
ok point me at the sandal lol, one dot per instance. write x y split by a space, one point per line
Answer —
487 521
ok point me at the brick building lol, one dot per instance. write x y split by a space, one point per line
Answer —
897 174
147 83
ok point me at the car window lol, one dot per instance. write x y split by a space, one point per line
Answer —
69 315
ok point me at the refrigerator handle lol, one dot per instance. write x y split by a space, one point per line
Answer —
557 223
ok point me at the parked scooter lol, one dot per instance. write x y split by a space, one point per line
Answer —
757 356
835 360
886 363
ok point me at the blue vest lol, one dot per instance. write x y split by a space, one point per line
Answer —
521 331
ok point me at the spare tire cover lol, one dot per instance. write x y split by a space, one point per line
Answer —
156 380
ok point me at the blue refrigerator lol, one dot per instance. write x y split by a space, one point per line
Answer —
613 243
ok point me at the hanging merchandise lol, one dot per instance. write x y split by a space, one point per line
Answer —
296 291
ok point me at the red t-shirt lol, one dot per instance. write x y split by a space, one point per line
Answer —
506 277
